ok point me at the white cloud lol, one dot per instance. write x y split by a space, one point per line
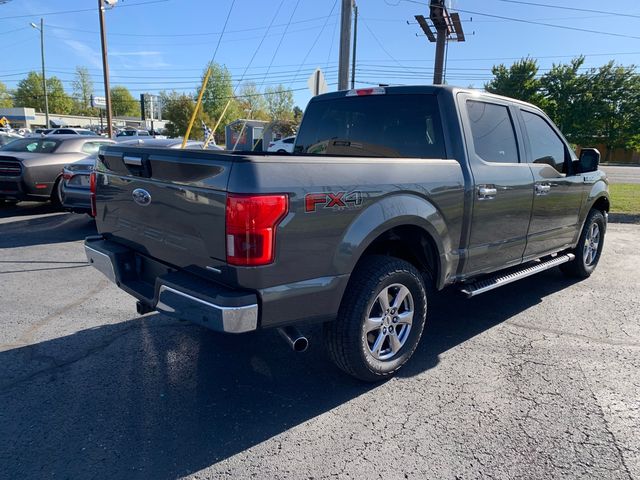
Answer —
143 53
85 52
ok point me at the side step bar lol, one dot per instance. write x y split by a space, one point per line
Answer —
473 289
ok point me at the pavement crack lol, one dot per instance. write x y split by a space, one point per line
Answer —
607 427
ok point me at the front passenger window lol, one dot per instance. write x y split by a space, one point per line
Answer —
546 146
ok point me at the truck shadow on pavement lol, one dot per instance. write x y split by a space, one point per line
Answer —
156 398
59 228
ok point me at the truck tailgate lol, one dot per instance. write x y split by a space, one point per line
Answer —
168 204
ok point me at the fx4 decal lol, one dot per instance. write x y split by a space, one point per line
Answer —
332 200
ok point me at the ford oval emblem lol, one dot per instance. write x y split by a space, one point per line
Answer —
141 197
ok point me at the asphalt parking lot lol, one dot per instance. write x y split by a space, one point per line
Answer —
539 379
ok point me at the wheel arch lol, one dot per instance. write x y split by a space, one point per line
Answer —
405 226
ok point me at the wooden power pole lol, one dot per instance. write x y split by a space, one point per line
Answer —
446 25
345 45
105 68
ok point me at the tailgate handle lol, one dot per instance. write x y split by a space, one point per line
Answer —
135 161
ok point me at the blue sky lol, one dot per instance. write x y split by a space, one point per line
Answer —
164 44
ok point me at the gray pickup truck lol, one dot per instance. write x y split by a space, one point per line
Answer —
391 194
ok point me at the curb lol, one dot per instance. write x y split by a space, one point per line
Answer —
624 218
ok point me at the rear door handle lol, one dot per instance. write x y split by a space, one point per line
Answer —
487 192
542 189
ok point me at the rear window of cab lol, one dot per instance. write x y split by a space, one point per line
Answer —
396 125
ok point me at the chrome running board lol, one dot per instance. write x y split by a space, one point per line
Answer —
473 289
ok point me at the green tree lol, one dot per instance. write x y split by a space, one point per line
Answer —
218 92
251 102
297 114
178 108
517 81
615 93
123 103
82 91
29 93
569 100
5 97
279 103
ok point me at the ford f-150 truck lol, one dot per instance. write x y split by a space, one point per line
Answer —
390 194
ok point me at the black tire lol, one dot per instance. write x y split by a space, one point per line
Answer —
345 338
584 265
56 194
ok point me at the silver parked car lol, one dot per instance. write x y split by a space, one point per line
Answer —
75 192
31 168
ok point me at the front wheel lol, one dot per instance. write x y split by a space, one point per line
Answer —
56 194
589 247
380 321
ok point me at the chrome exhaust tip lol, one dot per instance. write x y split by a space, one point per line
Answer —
294 338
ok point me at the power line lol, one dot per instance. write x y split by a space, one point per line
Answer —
573 9
380 44
273 57
224 27
203 34
63 12
532 22
316 39
259 45
184 44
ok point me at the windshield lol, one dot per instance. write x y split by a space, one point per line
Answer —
373 126
33 145
126 133
86 132
4 139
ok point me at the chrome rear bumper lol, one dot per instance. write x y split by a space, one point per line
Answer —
176 294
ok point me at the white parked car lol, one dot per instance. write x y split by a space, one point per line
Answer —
284 145
72 131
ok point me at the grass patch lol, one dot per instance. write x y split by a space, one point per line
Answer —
625 198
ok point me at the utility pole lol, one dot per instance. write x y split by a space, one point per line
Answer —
446 25
355 40
105 68
44 76
345 40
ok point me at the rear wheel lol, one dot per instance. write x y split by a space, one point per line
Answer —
589 247
380 321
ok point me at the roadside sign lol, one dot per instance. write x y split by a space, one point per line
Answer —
317 84
98 102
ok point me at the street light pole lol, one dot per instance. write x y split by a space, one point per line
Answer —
44 76
105 68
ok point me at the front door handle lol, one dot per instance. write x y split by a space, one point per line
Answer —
542 189
487 192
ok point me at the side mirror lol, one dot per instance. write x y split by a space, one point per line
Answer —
589 160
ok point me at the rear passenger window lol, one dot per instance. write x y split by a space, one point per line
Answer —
494 139
546 146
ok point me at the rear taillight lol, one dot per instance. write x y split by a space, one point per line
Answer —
271 144
251 227
92 189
